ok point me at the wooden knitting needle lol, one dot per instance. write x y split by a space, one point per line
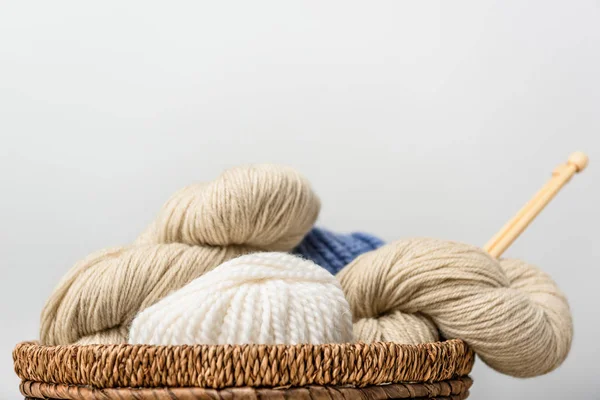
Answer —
511 231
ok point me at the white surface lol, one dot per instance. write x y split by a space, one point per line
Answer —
423 118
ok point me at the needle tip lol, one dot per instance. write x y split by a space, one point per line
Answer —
579 160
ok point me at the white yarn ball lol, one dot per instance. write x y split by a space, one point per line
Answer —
263 298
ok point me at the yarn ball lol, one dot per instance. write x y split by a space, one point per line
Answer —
333 251
246 209
511 313
263 298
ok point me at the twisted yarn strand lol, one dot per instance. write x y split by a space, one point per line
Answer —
512 314
246 209
333 251
264 298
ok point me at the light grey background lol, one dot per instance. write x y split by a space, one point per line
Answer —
423 118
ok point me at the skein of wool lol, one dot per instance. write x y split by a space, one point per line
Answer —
246 209
512 314
263 298
333 251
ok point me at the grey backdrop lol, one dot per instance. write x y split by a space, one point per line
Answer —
424 118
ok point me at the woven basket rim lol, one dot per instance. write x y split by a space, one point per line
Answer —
455 389
253 365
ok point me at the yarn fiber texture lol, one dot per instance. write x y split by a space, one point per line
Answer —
511 313
246 209
263 298
333 251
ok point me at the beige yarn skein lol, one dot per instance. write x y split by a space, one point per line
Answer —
512 314
246 209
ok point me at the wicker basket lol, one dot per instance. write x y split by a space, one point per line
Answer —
331 371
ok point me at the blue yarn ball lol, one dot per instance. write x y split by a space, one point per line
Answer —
334 251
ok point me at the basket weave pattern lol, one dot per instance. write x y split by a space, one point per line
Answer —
180 372
457 389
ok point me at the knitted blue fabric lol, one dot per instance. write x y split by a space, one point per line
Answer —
334 251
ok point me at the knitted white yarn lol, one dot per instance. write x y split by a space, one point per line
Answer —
264 298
